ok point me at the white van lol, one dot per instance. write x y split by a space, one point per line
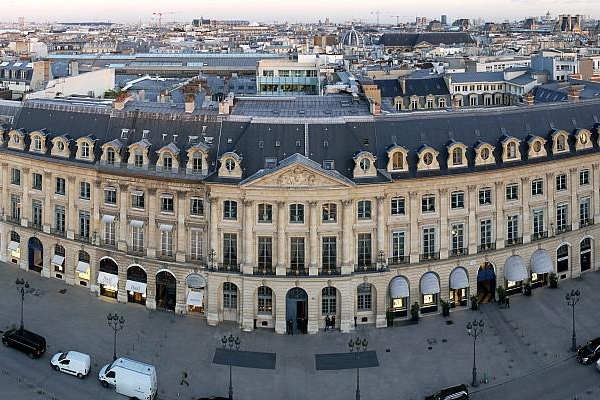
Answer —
71 362
130 378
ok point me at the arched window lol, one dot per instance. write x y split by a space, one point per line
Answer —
561 143
511 150
398 161
110 156
457 156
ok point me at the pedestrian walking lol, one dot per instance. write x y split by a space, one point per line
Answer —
327 323
507 302
184 376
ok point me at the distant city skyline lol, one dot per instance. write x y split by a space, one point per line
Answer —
387 11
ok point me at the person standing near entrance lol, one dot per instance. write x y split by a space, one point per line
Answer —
327 323
290 327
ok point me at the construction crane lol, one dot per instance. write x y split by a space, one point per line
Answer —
398 18
378 12
160 14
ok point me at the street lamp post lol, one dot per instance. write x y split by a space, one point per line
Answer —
115 322
573 298
22 284
230 341
357 346
475 329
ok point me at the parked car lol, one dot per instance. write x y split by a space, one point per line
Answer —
590 352
71 362
26 341
459 392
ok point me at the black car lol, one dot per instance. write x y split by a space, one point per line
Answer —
26 341
459 392
590 352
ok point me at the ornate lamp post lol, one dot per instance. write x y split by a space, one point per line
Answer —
475 329
115 322
357 346
230 341
573 298
22 285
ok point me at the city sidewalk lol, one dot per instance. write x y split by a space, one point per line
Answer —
414 360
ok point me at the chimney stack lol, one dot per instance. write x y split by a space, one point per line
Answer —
573 94
528 98
190 103
120 101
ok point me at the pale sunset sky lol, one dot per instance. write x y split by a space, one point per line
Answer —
287 11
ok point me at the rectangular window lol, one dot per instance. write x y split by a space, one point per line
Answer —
457 233
110 195
512 192
60 224
584 211
138 200
15 176
109 233
229 295
138 160
512 228
265 253
297 213
61 186
428 203
537 187
297 253
329 212
166 243
36 181
364 249
561 182
485 196
230 210
428 241
84 224
457 200
561 217
328 301
265 213
230 249
363 298
397 206
167 204
485 232
196 241
196 206
265 300
167 163
15 208
398 245
137 238
364 210
196 164
329 253
36 211
584 177
539 227
85 190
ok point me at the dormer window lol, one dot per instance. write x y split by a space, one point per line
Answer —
583 139
485 154
397 161
537 146
197 163
229 165
167 163
85 150
37 143
511 150
457 156
16 139
138 160
561 143
60 145
110 156
427 158
365 164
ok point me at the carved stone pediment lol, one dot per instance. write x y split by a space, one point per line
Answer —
297 177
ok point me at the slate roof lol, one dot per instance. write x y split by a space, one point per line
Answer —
470 77
389 87
308 140
409 39
435 85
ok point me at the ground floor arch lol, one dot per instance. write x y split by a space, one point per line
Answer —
108 277
14 247
195 287
136 284
296 310
399 293
166 290
486 282
563 260
331 307
230 301
585 251
459 287
36 254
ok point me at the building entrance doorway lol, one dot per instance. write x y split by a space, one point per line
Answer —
296 310
166 289
486 283
36 255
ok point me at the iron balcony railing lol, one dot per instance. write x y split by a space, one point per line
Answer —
486 247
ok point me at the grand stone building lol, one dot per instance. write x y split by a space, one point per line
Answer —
298 208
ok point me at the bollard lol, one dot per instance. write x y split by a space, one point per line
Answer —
485 377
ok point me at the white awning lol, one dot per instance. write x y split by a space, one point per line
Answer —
83 267
166 227
399 288
541 262
106 279
136 223
430 283
195 298
458 279
135 286
13 246
514 269
108 219
58 260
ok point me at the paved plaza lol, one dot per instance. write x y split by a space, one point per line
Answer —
531 337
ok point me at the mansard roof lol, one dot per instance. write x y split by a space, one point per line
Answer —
408 39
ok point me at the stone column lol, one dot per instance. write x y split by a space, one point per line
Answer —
314 311
248 242
573 184
381 301
25 203
212 293
525 219
414 234
348 304
280 268
313 258
6 210
95 217
472 228
499 215
153 239
347 238
214 226
551 211
380 228
596 194
48 214
247 301
443 235
182 243
71 209
279 302
122 228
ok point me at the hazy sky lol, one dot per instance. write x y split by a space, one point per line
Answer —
290 11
